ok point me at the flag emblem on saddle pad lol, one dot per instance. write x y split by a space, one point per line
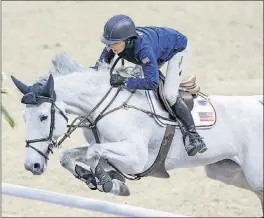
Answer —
206 116
145 60
202 102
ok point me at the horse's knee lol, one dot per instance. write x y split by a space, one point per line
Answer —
65 158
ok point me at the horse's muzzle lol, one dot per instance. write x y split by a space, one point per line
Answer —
34 168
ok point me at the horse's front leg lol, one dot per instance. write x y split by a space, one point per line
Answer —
68 158
127 156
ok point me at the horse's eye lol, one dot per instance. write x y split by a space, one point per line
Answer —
42 118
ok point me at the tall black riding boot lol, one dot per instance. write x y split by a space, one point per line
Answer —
183 113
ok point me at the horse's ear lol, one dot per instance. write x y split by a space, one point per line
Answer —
48 88
21 86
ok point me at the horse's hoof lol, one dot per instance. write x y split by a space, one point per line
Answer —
204 149
82 171
104 178
115 175
124 191
86 176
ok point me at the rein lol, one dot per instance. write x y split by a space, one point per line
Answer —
92 124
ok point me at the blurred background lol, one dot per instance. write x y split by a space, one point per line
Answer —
227 42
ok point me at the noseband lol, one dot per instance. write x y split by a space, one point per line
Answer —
92 125
52 143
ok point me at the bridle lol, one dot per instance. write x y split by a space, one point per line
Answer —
52 127
92 124
72 127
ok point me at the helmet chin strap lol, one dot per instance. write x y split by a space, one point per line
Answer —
129 43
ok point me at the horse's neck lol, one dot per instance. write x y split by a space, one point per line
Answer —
81 91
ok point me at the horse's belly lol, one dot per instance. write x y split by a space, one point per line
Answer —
218 148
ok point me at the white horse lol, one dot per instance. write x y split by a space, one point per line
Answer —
130 139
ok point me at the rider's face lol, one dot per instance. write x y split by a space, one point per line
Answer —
118 47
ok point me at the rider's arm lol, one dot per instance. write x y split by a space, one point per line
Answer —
106 56
150 69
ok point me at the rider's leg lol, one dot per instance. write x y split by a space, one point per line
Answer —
174 76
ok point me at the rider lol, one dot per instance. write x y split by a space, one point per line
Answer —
151 47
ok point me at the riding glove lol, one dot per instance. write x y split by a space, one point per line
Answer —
95 67
117 80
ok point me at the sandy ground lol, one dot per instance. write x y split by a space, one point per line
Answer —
227 41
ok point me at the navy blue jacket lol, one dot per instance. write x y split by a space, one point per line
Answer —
153 47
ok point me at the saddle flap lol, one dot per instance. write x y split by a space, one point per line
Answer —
186 95
163 98
202 110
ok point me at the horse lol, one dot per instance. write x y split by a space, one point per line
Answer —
124 130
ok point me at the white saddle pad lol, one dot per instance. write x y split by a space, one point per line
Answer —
203 112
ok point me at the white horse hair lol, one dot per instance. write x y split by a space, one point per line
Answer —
131 139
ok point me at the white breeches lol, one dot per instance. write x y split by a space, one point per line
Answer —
175 73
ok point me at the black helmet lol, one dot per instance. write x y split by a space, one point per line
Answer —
118 27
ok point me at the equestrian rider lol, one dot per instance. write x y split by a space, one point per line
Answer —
151 47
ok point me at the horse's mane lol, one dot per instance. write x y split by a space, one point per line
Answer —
63 64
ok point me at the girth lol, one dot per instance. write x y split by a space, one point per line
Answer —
157 169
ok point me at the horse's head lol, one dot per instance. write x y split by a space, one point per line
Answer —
45 120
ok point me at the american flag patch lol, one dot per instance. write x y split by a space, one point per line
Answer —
145 60
206 116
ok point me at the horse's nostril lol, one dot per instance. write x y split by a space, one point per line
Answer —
36 165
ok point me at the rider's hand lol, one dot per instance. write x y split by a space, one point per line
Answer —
95 67
117 80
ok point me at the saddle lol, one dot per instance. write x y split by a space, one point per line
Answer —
202 111
188 90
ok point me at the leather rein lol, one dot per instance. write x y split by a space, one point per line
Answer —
92 124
